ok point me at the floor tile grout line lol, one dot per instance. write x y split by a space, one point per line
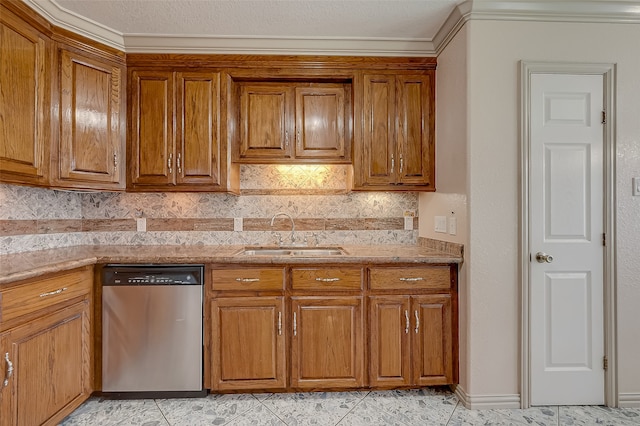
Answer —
453 412
353 408
271 411
162 412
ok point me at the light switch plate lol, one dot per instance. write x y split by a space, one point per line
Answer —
440 224
453 226
141 224
636 186
237 224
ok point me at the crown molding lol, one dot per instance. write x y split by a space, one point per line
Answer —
168 43
625 12
612 12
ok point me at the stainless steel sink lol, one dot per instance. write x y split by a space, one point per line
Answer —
292 251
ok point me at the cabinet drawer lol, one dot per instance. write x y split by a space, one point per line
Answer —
326 278
248 279
42 293
428 277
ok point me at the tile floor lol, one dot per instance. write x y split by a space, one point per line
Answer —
429 406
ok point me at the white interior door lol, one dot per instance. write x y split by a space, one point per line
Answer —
567 224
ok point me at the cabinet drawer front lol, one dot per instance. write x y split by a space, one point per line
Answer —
326 278
430 277
248 279
42 293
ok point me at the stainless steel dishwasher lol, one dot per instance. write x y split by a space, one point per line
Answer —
152 330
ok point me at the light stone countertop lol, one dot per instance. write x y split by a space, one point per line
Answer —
19 266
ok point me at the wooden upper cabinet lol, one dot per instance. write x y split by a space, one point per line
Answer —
25 100
293 122
189 156
265 114
198 128
396 149
151 121
92 141
320 122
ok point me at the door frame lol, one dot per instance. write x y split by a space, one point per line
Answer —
608 72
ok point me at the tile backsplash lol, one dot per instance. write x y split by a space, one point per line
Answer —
315 196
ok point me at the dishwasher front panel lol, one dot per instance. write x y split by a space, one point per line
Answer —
152 338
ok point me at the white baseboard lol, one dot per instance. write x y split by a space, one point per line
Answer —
486 402
629 400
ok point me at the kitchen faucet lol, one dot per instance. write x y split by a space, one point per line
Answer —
293 226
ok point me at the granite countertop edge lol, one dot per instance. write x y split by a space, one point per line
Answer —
21 266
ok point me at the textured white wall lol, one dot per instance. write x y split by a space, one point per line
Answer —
495 49
451 169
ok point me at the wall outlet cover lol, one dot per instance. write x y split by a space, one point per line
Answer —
408 223
440 224
237 224
141 224
453 226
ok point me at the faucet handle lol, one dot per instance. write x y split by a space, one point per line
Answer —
278 238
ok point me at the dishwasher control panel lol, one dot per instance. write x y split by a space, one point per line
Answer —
152 275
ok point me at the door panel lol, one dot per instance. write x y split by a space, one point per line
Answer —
320 127
90 137
327 342
197 128
24 101
567 223
390 323
379 129
265 130
432 345
248 343
415 141
152 126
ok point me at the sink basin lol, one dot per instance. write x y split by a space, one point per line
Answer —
292 251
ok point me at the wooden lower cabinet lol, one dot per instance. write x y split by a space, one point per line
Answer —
49 360
327 343
411 340
248 338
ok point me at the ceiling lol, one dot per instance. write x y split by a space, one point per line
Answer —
333 27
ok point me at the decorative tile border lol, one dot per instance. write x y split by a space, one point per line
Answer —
444 246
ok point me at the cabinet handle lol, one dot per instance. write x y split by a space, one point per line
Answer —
295 325
247 280
407 322
298 137
417 321
115 162
412 279
170 163
9 369
179 164
286 138
327 280
279 323
393 163
52 293
401 164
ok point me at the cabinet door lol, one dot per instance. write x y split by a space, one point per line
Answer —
415 115
25 77
248 343
320 122
51 367
198 128
266 125
91 141
390 339
327 342
432 344
378 154
151 141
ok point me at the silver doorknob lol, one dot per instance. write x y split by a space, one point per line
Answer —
544 257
